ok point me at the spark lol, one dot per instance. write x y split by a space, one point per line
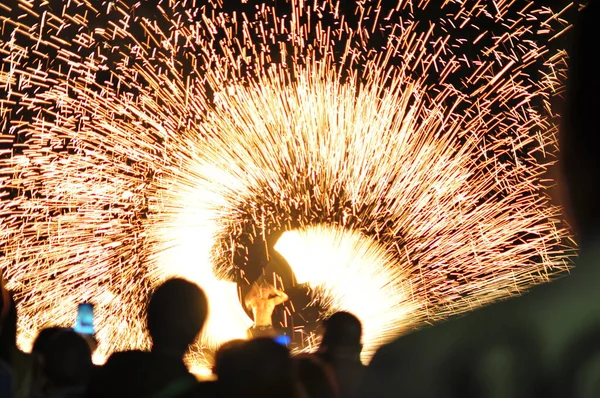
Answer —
368 281
405 154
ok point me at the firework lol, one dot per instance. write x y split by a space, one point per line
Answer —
404 150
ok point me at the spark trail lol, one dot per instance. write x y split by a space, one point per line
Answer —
144 141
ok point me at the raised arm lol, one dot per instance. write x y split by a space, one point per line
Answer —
250 295
280 297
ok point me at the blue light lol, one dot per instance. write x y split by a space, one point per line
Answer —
283 339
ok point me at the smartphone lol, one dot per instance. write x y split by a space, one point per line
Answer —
283 339
84 323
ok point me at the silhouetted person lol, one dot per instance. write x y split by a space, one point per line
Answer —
580 376
12 357
176 314
503 362
340 348
39 379
315 376
41 342
554 316
224 361
6 374
258 368
262 300
6 380
67 364
225 356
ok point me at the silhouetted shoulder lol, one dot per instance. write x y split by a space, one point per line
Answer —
121 363
536 330
141 374
206 389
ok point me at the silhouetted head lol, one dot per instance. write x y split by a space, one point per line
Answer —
8 329
225 356
342 332
260 368
315 376
5 301
176 314
40 344
68 360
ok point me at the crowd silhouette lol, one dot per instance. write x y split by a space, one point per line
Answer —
60 364
543 344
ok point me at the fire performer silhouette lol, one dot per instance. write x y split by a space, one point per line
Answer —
262 300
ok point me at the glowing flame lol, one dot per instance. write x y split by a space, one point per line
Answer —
351 272
139 144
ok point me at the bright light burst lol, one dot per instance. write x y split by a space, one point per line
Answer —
405 147
350 271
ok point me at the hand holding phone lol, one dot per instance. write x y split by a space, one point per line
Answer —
84 323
